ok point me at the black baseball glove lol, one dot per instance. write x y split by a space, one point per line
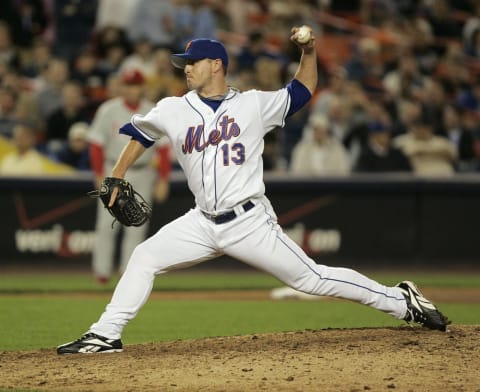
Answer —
129 207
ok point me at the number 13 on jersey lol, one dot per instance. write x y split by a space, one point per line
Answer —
235 153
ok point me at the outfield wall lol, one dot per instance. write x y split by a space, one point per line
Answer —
372 220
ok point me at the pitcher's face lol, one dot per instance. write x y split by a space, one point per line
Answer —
199 73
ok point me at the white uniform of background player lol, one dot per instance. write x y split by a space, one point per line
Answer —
220 152
104 136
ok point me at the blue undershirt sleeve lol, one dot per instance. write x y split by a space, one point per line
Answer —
130 130
299 96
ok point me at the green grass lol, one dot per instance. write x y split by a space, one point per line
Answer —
44 322
38 320
235 280
43 283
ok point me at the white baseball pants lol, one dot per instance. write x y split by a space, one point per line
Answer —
254 238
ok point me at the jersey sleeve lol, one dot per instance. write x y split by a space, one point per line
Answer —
153 125
299 94
273 106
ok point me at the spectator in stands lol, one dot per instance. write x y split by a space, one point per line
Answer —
26 108
8 118
405 81
84 68
422 44
153 20
112 61
35 61
339 112
113 86
469 32
472 47
8 52
166 81
267 74
336 87
319 153
194 19
27 20
75 152
460 135
114 13
108 36
429 155
441 18
71 111
142 58
49 96
73 22
252 50
377 12
242 14
348 118
25 160
469 98
433 99
365 66
407 111
451 71
378 155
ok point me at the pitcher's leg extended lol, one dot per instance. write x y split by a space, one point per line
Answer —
180 244
269 249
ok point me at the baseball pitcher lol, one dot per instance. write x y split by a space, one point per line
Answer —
217 135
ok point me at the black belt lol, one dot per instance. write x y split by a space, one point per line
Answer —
229 215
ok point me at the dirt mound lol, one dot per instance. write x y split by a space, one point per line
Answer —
400 359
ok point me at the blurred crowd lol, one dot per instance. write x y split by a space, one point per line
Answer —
398 91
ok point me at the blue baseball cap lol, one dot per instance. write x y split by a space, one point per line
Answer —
199 49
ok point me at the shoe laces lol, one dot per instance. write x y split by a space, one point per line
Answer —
86 336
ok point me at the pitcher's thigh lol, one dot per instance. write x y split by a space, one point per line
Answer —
179 244
277 254
270 250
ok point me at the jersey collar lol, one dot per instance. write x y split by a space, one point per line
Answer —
232 91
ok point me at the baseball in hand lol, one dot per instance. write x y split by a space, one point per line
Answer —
304 34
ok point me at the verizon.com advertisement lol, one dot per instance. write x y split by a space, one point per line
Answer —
338 221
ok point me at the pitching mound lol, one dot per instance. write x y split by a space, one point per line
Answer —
401 359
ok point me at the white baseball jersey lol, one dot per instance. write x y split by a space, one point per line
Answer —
220 152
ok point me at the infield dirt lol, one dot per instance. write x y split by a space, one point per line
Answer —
373 359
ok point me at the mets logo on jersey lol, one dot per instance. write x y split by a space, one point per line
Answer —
194 140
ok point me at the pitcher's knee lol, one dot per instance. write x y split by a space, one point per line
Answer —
142 259
307 283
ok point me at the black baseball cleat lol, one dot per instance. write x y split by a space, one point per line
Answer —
91 343
420 310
